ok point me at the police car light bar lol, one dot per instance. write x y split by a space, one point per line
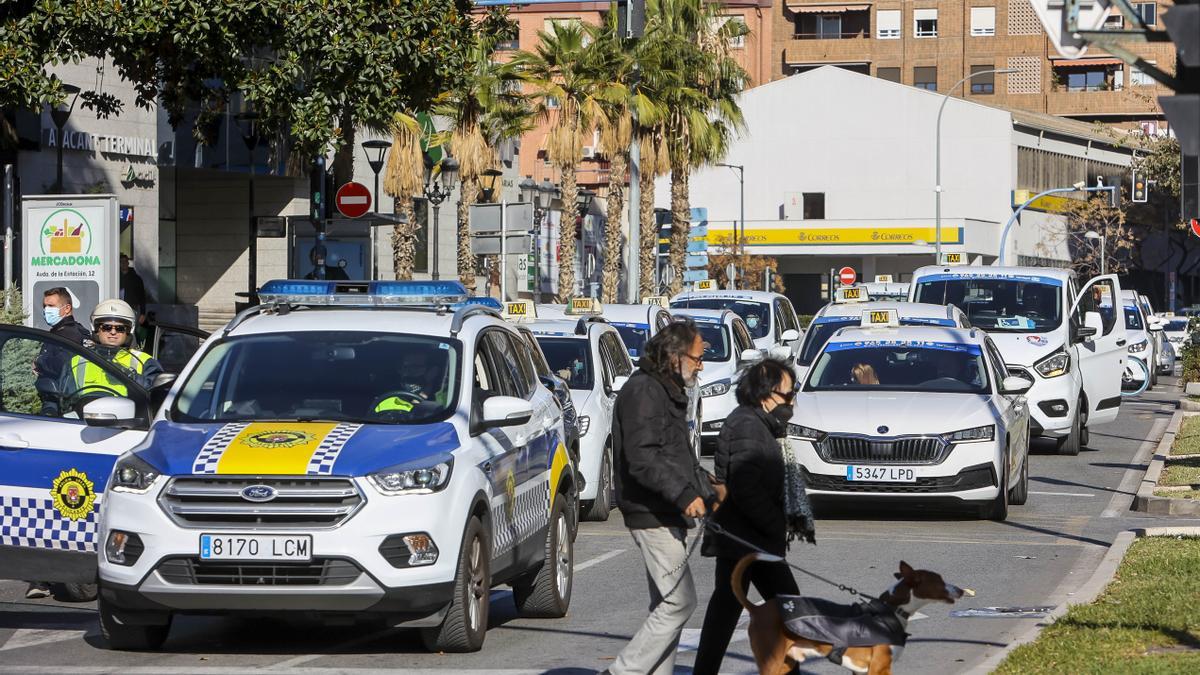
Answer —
583 306
880 318
851 294
519 310
363 293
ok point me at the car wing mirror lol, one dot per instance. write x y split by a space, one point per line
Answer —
506 411
1015 385
750 355
111 411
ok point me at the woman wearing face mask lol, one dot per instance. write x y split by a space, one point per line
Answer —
765 503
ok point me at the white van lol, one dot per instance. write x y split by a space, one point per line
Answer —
1070 341
769 317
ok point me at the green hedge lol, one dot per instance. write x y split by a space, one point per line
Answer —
805 319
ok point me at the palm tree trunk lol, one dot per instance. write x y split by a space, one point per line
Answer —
610 282
648 255
566 234
681 217
404 245
466 257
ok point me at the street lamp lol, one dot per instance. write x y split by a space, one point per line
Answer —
248 128
439 183
1077 187
59 114
937 189
1101 237
487 184
741 169
375 150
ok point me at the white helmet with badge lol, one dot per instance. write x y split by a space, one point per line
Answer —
114 309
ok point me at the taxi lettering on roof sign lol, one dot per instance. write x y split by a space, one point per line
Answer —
520 309
883 278
706 285
954 259
881 318
579 306
851 294
660 300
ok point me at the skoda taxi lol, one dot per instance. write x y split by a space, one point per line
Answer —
727 345
916 413
586 352
846 311
769 316
346 448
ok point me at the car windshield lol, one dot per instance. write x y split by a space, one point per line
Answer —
1133 318
634 335
1017 304
716 341
1176 326
757 315
376 378
819 333
900 365
571 359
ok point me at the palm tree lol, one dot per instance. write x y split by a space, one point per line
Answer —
699 82
404 179
561 72
653 164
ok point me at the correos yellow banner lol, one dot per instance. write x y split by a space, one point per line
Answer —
839 236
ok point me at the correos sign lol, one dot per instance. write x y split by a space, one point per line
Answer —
69 241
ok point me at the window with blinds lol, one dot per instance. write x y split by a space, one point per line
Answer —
983 21
887 24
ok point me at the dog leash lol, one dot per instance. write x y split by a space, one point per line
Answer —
717 529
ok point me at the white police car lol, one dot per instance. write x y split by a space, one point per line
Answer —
586 352
769 316
346 448
637 323
921 414
727 345
843 314
1063 337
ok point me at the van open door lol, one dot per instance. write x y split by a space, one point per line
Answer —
1098 340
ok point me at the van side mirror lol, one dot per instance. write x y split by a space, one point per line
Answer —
789 335
1093 325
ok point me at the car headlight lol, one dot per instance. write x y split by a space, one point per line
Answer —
972 435
132 474
404 480
584 423
715 388
1055 365
1138 348
804 433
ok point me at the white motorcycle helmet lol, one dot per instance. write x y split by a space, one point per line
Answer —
114 310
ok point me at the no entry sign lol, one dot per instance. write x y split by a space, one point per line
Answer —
353 200
847 275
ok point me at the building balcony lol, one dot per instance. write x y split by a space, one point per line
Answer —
817 50
1132 101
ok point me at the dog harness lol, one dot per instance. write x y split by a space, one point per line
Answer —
864 624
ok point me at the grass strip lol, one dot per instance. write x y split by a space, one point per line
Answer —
1145 622
1187 439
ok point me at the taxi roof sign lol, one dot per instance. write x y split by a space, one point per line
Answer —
519 310
883 278
707 285
954 259
851 294
880 318
583 306
660 300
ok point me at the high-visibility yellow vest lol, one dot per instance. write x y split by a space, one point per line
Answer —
394 403
87 374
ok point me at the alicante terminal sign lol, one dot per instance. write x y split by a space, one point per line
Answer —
69 241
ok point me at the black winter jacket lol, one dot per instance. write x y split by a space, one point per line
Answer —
749 462
657 474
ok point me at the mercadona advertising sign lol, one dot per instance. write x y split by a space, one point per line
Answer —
69 241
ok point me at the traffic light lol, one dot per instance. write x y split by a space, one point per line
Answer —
1140 190
318 195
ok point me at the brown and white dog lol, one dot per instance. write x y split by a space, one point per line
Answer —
777 650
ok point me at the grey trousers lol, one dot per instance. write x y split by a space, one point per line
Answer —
672 601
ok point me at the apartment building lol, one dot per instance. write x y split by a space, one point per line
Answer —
931 44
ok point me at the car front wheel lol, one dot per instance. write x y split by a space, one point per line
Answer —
124 634
465 624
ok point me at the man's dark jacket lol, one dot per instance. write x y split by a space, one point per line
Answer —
748 461
52 359
657 474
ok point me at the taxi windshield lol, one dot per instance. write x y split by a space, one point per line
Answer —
634 335
716 341
1133 318
1176 326
570 359
757 315
375 378
1016 304
819 333
900 365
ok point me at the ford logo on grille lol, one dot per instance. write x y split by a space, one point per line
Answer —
882 430
259 493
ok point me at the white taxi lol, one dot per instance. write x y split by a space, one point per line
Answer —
587 353
638 323
921 414
349 449
727 345
769 317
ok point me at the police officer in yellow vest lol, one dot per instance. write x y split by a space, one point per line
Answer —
112 322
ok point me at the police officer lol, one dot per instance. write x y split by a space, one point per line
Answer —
113 322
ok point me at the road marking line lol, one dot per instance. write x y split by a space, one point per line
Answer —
1063 494
32 637
1122 499
240 670
598 559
